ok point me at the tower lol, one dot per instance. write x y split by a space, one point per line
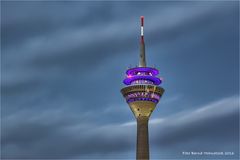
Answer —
142 94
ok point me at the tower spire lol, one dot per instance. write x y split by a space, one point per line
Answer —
142 61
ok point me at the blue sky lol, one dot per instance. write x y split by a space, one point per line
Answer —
62 66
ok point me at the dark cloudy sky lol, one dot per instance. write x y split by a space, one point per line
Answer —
62 66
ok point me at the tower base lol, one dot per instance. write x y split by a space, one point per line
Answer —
142 138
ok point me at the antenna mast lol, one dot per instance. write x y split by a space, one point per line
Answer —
142 62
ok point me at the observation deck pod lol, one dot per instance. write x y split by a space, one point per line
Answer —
142 98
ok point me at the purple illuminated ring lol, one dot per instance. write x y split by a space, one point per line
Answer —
129 80
142 99
134 71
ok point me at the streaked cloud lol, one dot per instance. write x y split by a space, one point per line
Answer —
56 127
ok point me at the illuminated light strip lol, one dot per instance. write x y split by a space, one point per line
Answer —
142 36
142 31
143 95
155 80
142 99
142 82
